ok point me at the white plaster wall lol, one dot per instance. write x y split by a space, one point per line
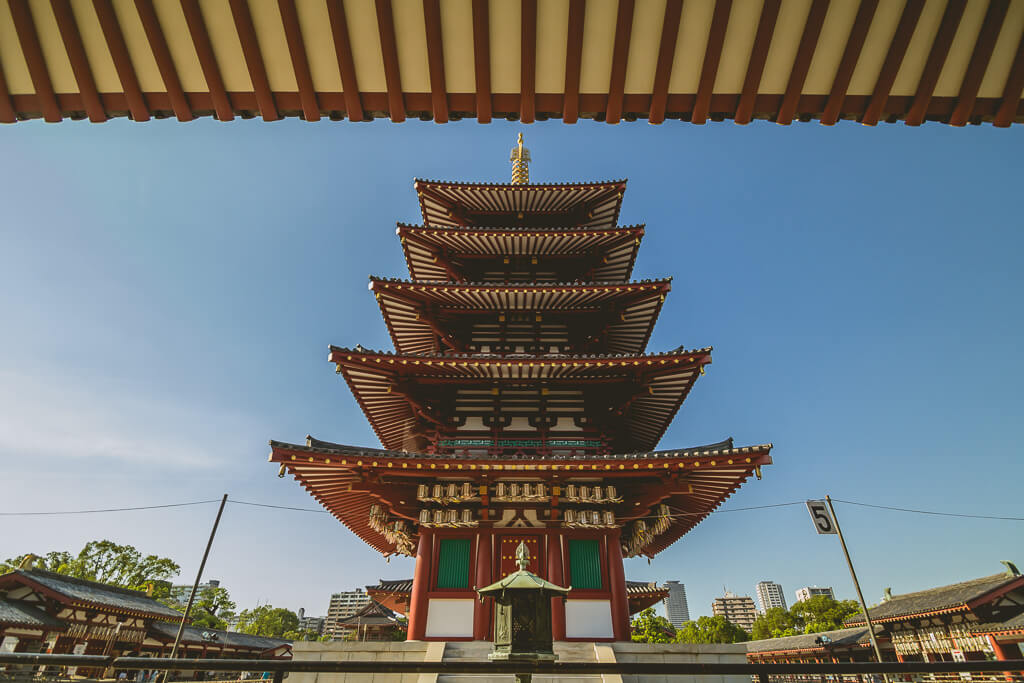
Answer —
588 619
449 618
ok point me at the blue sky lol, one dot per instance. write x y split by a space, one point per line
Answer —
168 292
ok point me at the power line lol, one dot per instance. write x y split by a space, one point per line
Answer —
927 512
277 507
92 512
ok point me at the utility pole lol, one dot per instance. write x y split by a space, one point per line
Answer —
195 586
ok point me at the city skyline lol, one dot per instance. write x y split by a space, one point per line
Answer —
193 297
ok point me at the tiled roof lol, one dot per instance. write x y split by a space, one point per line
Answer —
372 614
392 586
167 630
26 614
935 599
644 588
845 637
1014 623
81 590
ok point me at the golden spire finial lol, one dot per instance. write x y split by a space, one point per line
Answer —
520 159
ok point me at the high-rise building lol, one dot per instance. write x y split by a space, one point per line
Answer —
808 592
180 593
520 406
769 594
675 604
314 624
738 609
344 605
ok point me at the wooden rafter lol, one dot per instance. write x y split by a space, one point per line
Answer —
346 64
122 61
528 63
573 61
389 53
207 59
893 60
79 61
851 54
482 59
435 59
758 57
1012 90
620 55
300 63
983 48
26 31
936 60
666 55
712 55
7 113
802 62
254 59
164 63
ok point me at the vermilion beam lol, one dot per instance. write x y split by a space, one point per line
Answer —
162 54
573 61
712 55
7 113
936 60
79 61
300 63
389 53
893 60
26 31
482 59
620 55
666 55
435 59
758 57
854 45
207 59
346 65
528 62
1012 90
122 61
804 54
979 61
254 59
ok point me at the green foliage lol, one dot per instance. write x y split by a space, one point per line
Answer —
267 620
211 608
820 613
715 629
648 627
775 623
302 634
106 562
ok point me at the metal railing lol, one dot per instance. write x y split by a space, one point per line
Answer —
844 672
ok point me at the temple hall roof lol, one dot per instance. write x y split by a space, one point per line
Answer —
164 630
371 614
844 637
955 597
21 613
80 590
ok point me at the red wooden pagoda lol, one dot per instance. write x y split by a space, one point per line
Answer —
519 405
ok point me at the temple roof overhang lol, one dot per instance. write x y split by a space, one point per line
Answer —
348 480
421 316
443 253
496 205
784 60
639 393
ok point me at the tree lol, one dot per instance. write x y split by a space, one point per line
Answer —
106 562
822 613
648 627
268 621
775 623
212 608
302 634
715 629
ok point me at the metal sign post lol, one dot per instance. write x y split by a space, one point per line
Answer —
826 522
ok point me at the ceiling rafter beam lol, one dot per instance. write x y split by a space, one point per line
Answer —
620 57
758 58
300 62
936 60
848 62
25 29
346 63
482 59
802 62
207 59
428 316
573 61
893 59
389 53
122 60
712 56
976 68
7 113
254 59
164 62
435 59
72 39
1012 90
666 55
528 62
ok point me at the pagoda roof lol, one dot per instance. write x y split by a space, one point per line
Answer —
381 383
453 203
337 476
423 246
626 311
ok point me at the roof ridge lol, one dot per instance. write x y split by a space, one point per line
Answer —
527 186
85 582
521 283
680 351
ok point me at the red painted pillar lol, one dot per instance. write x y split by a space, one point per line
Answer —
617 579
555 577
420 585
1001 655
482 610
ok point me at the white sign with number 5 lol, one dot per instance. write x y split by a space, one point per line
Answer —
823 523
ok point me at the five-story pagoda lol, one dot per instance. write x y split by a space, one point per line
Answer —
519 406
